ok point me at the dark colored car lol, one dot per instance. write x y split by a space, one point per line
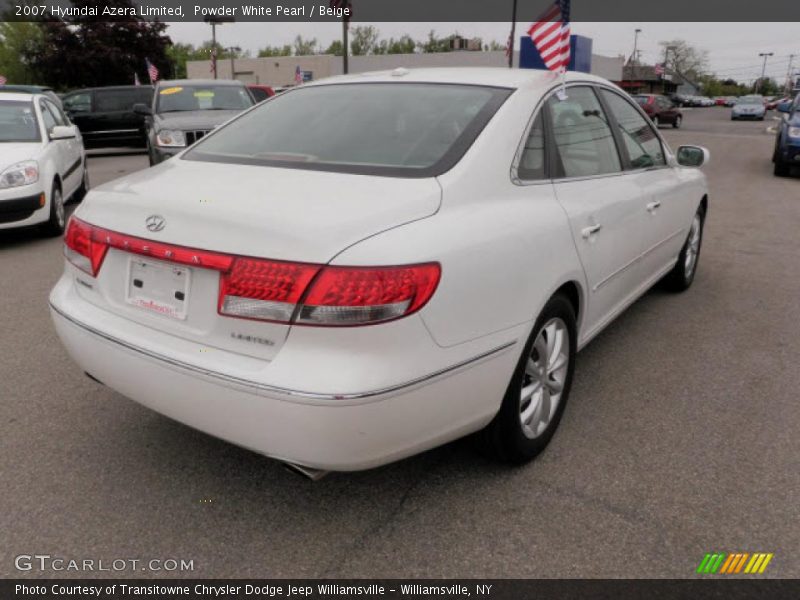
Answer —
183 111
261 92
33 89
787 144
660 109
106 117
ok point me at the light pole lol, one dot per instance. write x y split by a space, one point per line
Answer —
766 55
233 50
788 89
214 21
635 45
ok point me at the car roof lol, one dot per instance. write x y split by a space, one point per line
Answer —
487 76
108 87
20 96
179 82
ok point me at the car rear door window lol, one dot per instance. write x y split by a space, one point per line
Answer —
640 139
584 143
532 163
80 102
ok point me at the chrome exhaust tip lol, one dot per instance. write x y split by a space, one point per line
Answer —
307 472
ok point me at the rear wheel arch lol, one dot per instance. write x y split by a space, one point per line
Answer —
572 291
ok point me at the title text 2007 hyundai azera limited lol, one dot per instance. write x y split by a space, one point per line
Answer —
360 269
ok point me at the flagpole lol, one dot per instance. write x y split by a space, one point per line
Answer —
511 39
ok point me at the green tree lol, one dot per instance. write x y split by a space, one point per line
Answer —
335 48
285 50
305 47
18 41
86 51
364 40
404 45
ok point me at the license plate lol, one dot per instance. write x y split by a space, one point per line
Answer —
158 287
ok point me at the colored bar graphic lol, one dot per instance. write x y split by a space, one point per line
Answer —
722 563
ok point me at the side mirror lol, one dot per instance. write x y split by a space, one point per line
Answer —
142 109
693 156
63 132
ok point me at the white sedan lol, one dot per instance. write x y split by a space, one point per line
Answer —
42 162
367 267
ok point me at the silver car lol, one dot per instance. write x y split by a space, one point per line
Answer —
749 107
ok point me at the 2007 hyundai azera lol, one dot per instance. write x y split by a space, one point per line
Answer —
366 267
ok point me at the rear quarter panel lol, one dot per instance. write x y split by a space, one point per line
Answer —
504 248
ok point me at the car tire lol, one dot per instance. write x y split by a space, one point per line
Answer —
680 278
539 384
781 169
677 123
81 192
54 226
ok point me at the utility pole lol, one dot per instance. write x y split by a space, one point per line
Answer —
511 37
345 44
214 21
635 45
233 51
789 75
766 55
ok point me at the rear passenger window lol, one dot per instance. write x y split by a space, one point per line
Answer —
81 102
583 137
531 166
641 142
114 100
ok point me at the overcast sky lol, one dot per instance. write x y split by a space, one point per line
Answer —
733 47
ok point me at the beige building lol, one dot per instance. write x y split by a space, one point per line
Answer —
280 70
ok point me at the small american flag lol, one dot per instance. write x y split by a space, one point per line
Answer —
3 80
550 35
298 75
509 45
152 71
659 69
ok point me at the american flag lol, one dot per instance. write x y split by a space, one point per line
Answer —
3 80
550 35
152 71
659 69
298 75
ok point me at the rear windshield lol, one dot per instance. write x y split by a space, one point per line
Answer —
178 98
393 129
751 100
18 122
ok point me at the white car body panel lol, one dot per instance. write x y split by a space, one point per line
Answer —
57 159
355 397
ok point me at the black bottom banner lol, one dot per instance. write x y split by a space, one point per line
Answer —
366 589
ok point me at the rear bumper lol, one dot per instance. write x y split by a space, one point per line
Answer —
339 431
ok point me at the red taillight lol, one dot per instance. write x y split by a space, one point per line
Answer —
269 290
81 249
359 295
263 289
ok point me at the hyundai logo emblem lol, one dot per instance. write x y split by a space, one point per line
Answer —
155 223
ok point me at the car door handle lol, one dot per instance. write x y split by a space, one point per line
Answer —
588 232
652 206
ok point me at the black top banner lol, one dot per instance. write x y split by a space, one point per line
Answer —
402 11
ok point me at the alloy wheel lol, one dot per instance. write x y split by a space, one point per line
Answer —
544 377
693 247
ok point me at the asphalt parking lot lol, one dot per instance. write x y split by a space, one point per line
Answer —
681 436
